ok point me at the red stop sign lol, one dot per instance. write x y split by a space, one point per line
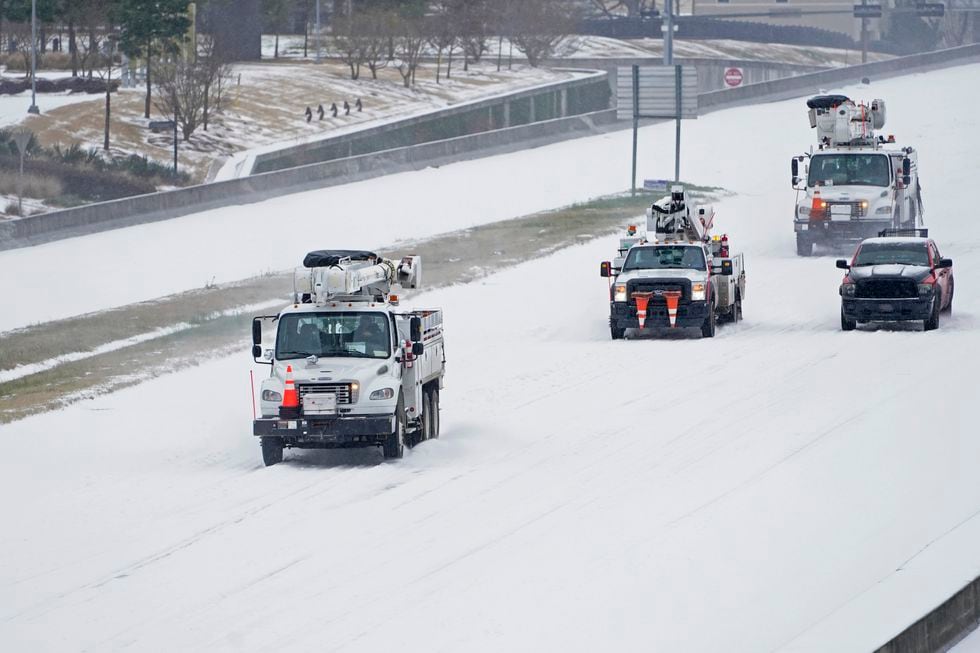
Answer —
733 77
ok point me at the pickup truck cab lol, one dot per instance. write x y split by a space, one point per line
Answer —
896 278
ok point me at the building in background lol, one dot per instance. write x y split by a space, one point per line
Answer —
236 26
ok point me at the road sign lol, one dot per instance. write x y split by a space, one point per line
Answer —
734 77
657 185
867 11
657 92
930 9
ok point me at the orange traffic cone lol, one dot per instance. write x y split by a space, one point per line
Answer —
819 206
290 398
642 301
672 297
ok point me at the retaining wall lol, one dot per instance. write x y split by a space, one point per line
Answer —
943 627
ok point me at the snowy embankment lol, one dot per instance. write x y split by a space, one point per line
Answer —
784 486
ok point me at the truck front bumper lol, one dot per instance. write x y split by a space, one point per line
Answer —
327 432
689 315
823 231
887 310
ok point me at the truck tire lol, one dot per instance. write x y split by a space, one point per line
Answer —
708 328
436 420
949 307
426 431
845 324
394 446
616 333
271 451
932 323
804 246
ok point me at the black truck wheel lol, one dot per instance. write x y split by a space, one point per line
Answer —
708 328
845 324
804 246
426 430
949 306
616 333
435 421
932 323
271 451
394 446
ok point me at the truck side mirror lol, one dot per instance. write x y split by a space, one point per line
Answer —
906 171
945 263
415 329
257 334
795 165
605 269
418 349
843 264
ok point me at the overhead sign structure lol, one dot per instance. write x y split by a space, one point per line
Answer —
656 185
734 77
658 92
867 11
930 9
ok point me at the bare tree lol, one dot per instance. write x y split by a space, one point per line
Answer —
540 27
474 29
214 70
180 94
349 43
443 35
409 45
379 28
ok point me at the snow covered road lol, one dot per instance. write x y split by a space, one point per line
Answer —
581 497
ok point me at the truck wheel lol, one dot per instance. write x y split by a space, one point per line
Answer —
435 421
617 334
932 323
426 432
394 446
949 307
845 324
271 451
708 328
804 246
738 310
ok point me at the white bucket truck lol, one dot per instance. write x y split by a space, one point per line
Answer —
856 183
676 275
349 367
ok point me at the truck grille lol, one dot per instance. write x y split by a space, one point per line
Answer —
682 286
342 390
887 289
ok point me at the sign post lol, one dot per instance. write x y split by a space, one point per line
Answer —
658 92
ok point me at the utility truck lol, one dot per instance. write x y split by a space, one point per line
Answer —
349 367
676 275
856 183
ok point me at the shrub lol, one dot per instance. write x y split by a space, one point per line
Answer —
13 208
42 187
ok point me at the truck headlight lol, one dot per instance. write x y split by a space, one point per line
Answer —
926 289
847 289
804 210
619 292
697 292
883 210
271 395
383 393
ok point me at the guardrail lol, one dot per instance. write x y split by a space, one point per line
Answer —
944 626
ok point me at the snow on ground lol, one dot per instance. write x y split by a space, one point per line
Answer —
969 645
236 242
13 108
783 487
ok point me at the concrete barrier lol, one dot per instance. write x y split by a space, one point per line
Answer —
942 628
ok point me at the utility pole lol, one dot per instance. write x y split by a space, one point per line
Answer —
33 108
176 117
864 37
317 38
668 33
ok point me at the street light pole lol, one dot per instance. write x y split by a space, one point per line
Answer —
33 108
668 26
318 31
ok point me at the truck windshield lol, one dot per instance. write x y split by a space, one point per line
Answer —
849 170
329 335
892 253
665 257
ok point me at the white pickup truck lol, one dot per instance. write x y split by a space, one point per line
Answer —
350 368
683 278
